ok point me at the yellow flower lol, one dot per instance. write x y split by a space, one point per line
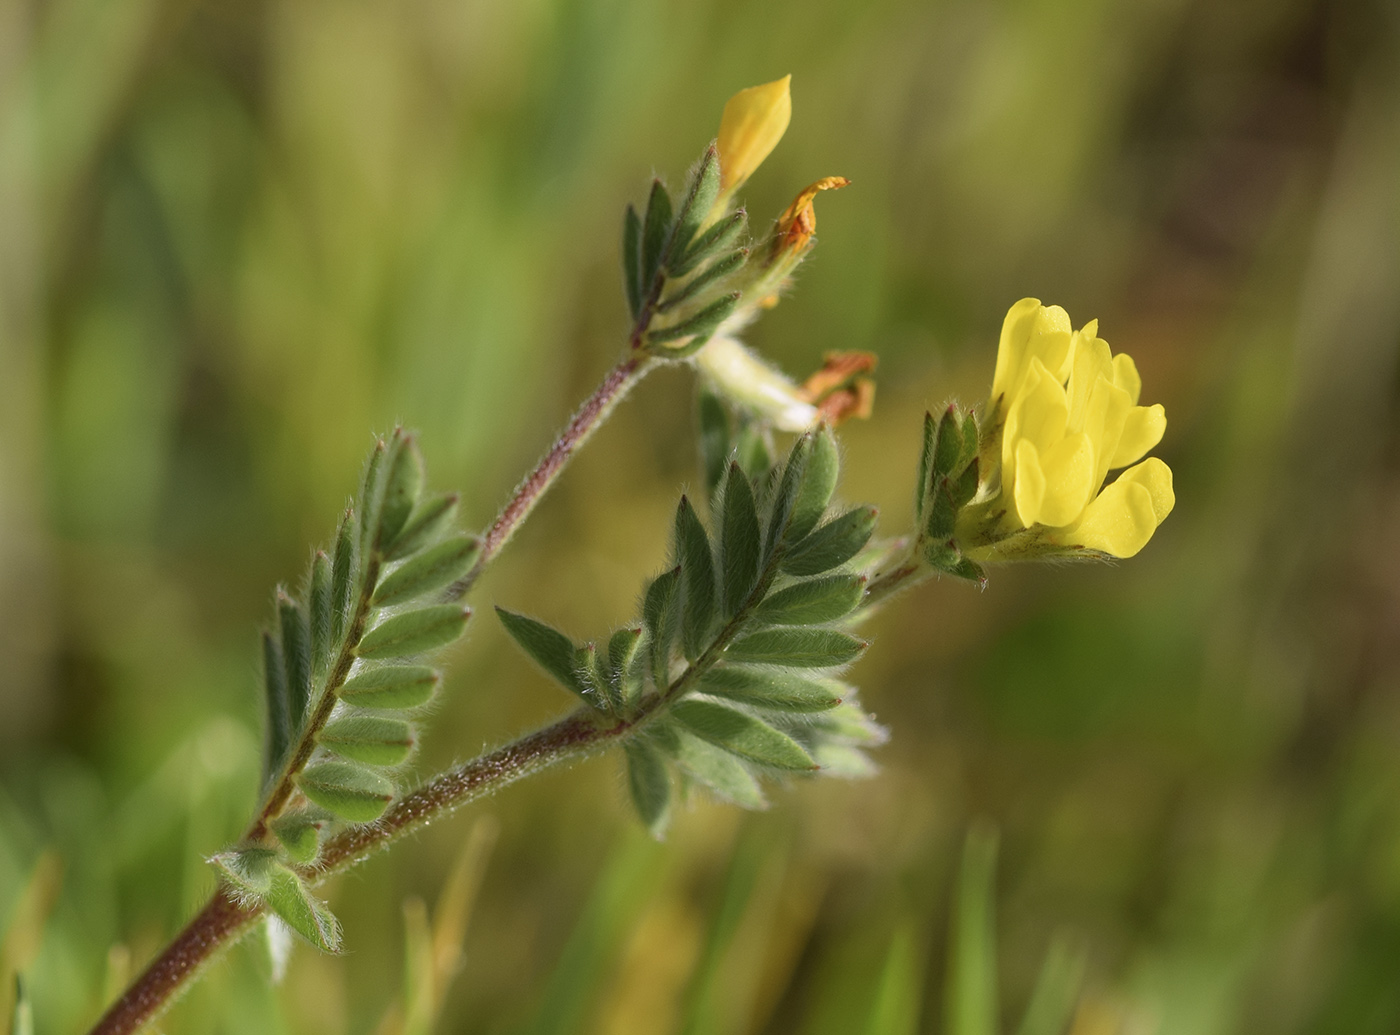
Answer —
1070 414
753 122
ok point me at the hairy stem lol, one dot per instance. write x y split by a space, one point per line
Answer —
595 409
224 921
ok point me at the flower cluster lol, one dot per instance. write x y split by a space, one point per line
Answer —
1064 413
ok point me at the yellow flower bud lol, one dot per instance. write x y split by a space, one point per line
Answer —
754 121
1068 413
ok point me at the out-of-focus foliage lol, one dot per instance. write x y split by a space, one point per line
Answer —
236 237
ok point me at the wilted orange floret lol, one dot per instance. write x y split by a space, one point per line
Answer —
839 390
799 222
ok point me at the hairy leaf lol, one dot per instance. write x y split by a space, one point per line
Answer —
718 238
741 734
372 739
696 562
391 686
430 518
249 870
318 597
831 545
279 718
434 568
796 648
723 773
656 228
299 832
818 483
661 614
347 791
700 198
343 573
415 632
550 649
741 542
300 910
650 785
774 689
296 655
632 260
813 602
625 663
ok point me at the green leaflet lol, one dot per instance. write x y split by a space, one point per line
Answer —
818 483
632 261
599 686
786 495
696 561
299 832
343 570
843 760
349 792
656 228
305 914
723 773
741 734
661 614
774 689
372 739
279 720
649 784
626 663
432 569
550 649
415 632
741 542
249 870
430 518
710 276
796 647
716 239
296 656
700 198
925 467
391 686
401 488
813 602
319 611
701 325
371 498
832 545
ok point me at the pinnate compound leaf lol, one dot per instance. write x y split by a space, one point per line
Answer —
372 739
818 483
773 689
414 632
551 650
347 791
796 647
696 561
831 545
741 543
432 569
726 775
391 686
741 734
813 601
430 518
300 910
650 785
248 870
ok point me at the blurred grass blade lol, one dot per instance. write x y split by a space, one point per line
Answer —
22 1016
1056 990
623 887
971 996
898 999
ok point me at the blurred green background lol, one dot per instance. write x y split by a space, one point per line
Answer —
237 237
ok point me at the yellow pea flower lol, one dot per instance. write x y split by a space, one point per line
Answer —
753 122
1068 410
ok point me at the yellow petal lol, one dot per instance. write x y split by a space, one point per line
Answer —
799 222
1039 412
1125 376
1124 516
1015 333
1029 484
1091 362
1068 470
753 122
1142 430
1107 413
